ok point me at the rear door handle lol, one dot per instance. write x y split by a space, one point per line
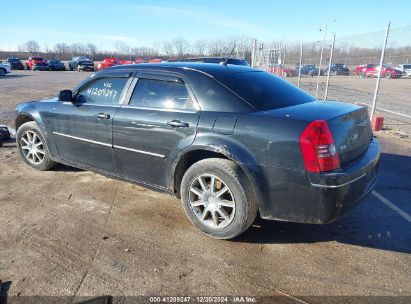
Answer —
177 124
102 116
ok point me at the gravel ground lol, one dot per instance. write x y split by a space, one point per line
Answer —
73 233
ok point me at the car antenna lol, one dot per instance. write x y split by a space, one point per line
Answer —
228 57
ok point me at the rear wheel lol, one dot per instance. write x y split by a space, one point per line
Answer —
217 198
32 147
2 72
388 75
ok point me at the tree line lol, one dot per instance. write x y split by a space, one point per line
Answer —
178 48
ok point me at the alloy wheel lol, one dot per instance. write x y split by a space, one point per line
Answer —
212 201
32 147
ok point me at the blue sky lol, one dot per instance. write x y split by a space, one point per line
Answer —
143 23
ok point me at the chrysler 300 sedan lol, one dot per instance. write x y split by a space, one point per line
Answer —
230 141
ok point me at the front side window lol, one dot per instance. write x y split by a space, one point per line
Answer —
104 91
153 93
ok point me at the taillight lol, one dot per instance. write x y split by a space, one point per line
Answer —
318 148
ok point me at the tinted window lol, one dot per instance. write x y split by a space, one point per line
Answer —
105 91
161 94
407 66
265 91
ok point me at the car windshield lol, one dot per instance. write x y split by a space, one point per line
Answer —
54 61
264 91
13 59
407 66
37 58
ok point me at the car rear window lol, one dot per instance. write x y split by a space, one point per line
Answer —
264 91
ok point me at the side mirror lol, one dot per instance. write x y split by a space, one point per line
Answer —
66 95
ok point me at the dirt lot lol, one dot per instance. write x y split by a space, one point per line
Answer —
74 233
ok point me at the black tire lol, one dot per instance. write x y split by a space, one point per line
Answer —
230 175
388 75
31 126
2 72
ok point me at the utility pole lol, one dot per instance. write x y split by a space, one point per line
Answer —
299 66
377 86
321 59
329 68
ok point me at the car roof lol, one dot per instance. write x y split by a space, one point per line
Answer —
211 69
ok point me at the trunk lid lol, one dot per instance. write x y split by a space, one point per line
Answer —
352 134
349 124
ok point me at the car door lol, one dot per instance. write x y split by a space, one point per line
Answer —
82 129
159 121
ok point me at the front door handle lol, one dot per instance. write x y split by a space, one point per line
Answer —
102 116
177 124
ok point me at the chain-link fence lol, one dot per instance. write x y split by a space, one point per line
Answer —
349 69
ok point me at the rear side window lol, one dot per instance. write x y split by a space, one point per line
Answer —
152 93
104 91
265 91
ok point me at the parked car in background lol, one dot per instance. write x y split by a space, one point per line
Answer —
139 60
56 65
283 71
386 71
81 63
37 64
126 62
405 69
4 68
309 70
235 61
108 62
15 63
339 69
231 141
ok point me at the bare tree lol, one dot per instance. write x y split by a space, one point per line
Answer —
168 48
216 47
62 48
30 46
180 45
200 47
122 48
91 49
77 49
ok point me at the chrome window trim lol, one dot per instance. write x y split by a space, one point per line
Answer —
110 145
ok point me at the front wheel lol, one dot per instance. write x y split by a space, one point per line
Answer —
2 72
32 147
217 198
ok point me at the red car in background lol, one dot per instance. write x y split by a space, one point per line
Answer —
37 63
372 70
283 71
111 61
108 62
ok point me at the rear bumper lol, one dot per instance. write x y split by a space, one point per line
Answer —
85 68
322 198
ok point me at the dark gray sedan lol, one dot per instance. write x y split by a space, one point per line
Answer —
230 141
